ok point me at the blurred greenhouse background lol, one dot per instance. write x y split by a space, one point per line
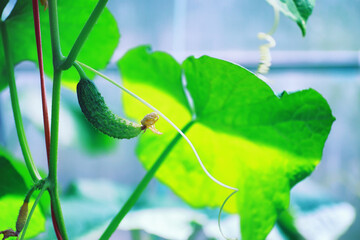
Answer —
326 205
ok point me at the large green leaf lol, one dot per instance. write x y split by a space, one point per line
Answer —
10 179
96 51
297 10
247 136
14 184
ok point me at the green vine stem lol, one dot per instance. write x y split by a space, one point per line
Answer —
55 126
80 70
84 34
54 34
53 190
29 193
142 185
57 217
55 203
16 107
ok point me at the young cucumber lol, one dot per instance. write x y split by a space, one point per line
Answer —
23 213
100 116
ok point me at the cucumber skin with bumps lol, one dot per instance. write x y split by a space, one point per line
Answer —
93 106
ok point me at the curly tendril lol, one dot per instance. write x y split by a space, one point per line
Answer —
265 56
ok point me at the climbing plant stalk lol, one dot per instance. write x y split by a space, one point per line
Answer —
53 190
55 126
16 107
54 33
54 153
55 203
57 217
84 34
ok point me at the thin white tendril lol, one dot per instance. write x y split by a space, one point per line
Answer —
166 119
265 56
276 21
219 217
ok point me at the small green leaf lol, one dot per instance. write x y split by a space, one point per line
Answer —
297 10
96 51
247 137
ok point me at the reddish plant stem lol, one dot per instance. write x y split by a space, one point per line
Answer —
43 98
42 80
56 228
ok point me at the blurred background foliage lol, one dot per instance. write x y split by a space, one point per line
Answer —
327 59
